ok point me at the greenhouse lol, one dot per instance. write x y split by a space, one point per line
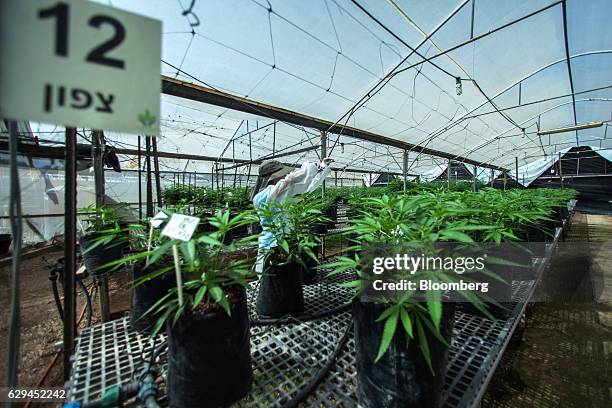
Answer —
267 203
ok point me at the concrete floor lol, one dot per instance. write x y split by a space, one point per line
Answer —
563 358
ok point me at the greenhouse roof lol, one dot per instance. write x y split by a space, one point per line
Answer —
390 68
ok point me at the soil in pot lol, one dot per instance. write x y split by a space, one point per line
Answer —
5 244
401 378
145 295
209 358
280 291
100 255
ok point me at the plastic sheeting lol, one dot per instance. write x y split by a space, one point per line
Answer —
528 173
320 57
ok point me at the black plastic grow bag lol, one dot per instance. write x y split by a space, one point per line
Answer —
401 378
209 358
100 255
280 291
144 296
309 269
5 243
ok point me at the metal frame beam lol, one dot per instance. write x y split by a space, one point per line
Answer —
187 90
84 152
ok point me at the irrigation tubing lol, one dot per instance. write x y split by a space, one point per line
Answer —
56 296
314 381
301 318
88 305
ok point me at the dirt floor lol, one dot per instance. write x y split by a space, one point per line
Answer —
40 322
563 358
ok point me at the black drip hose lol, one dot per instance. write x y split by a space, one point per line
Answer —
87 301
53 276
314 381
56 296
300 318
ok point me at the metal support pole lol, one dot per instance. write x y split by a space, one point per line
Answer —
505 179
405 169
70 213
140 181
474 179
158 188
492 177
14 324
516 169
250 156
274 138
336 178
448 174
97 152
323 154
560 170
236 169
149 178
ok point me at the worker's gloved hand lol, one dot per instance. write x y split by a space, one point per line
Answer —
326 162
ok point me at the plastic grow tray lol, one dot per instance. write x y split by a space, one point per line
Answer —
289 356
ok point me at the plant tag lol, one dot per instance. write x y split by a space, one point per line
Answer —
159 219
180 227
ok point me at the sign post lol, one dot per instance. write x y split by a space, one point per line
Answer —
79 64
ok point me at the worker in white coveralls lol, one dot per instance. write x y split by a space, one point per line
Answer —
277 182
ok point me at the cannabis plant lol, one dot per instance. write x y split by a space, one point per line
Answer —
288 223
108 225
420 220
210 271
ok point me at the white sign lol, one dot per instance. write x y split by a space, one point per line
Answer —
180 227
79 64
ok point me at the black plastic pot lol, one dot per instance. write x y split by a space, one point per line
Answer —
144 296
254 228
280 291
332 214
240 232
309 271
351 240
401 378
318 229
5 243
209 358
564 211
536 234
100 255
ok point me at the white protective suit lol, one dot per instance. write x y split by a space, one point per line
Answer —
300 181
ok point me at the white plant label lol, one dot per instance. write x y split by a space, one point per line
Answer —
159 219
180 227
80 64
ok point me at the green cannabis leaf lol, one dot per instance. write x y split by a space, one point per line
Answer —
146 118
